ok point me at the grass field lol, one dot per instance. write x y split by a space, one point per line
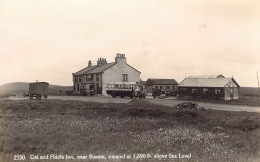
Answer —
80 128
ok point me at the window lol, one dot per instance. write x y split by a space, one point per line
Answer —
97 77
205 90
167 87
156 87
194 90
217 90
161 87
89 78
125 77
183 89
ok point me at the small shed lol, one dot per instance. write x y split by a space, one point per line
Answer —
213 86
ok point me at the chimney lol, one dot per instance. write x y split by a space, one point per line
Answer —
120 58
89 63
101 61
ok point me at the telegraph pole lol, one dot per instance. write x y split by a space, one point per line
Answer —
258 83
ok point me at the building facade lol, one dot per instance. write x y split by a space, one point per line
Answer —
96 77
209 87
163 84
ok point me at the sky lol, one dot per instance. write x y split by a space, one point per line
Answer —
48 40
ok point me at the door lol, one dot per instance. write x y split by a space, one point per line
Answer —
231 93
99 89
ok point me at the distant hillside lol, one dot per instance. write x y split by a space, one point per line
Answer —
249 91
21 87
16 86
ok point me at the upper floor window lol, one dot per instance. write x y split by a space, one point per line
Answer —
97 77
125 77
89 77
79 78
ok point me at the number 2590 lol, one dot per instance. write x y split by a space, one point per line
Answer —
19 157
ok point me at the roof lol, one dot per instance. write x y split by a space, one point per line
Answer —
101 68
207 76
206 82
39 83
161 82
143 82
94 69
134 68
86 69
97 69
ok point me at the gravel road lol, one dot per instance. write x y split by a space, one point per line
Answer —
208 105
164 102
99 99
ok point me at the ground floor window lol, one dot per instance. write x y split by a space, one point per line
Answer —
217 90
183 89
205 90
194 90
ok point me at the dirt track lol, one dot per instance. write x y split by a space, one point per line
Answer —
164 102
207 105
100 99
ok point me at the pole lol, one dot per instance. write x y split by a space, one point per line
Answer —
258 82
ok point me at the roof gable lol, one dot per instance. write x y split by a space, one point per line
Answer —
133 68
206 82
98 69
208 76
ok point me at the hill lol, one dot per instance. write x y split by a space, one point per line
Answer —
249 91
21 87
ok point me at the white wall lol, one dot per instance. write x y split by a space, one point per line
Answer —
115 74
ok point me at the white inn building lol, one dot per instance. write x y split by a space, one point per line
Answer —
97 77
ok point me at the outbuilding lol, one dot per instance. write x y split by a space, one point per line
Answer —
163 84
209 86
